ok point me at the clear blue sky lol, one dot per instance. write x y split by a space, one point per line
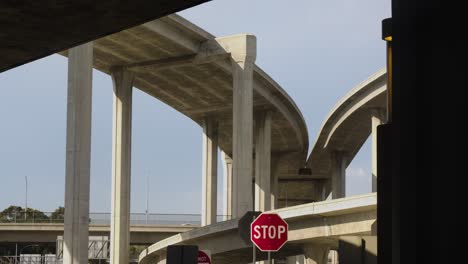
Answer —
316 50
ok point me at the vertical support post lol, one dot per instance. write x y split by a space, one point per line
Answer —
243 52
121 166
210 172
339 175
78 154
316 254
227 187
299 259
274 184
377 119
263 162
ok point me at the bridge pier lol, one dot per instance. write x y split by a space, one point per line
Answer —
377 118
274 182
121 166
339 175
243 53
316 254
227 187
263 162
210 172
299 259
78 154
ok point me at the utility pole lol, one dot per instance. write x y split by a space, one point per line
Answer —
26 202
147 196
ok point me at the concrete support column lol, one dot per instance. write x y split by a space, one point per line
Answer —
210 172
333 257
299 259
243 52
274 184
339 175
263 162
325 193
227 186
377 119
162 259
121 166
351 249
78 154
316 254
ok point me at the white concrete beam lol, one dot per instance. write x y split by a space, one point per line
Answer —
168 31
263 162
227 186
243 52
210 172
121 166
172 62
78 154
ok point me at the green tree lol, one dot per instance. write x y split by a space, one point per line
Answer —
58 215
10 213
18 214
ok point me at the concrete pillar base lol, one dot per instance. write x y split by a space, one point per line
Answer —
300 259
316 254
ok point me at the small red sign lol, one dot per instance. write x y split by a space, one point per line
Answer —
204 257
269 232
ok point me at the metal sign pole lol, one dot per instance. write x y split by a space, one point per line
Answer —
253 246
253 254
269 257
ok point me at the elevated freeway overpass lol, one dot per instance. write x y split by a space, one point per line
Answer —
242 111
212 80
319 225
48 232
349 124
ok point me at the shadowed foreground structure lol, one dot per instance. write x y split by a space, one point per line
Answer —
30 30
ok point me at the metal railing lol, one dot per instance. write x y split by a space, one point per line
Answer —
30 259
105 218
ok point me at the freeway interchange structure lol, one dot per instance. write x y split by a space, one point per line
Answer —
244 113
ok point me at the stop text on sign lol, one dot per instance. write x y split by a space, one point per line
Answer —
269 232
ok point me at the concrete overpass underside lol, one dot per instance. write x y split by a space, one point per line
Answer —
31 30
190 70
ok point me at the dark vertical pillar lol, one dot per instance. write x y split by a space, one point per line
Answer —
421 171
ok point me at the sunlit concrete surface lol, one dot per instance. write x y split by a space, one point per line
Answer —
41 233
321 223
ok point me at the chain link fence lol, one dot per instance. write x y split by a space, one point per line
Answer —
105 218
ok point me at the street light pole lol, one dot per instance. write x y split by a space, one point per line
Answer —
147 197
26 202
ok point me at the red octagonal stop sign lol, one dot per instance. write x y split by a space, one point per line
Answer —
269 232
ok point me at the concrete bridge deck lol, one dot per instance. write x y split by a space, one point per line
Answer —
349 124
318 223
47 232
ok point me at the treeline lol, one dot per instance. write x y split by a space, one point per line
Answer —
18 214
